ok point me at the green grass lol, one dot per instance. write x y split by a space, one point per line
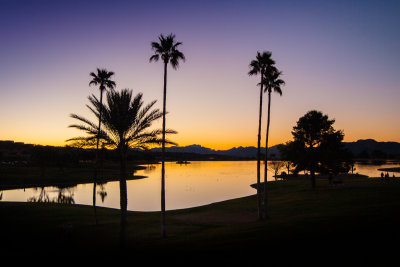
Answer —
359 213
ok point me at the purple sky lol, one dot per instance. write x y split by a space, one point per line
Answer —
340 57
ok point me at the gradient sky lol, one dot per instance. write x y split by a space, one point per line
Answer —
339 57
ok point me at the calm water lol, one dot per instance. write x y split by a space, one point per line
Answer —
190 185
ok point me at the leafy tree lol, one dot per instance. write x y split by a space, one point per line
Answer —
259 66
167 50
126 122
317 146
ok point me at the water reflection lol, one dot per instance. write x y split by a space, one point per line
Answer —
102 191
41 198
64 195
149 169
190 185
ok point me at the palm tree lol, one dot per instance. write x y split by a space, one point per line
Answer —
126 125
273 82
167 50
103 80
259 66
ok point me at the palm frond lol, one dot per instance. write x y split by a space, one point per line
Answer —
155 58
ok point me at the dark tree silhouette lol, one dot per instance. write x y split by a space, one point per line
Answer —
126 124
276 166
272 82
167 50
260 65
317 146
102 79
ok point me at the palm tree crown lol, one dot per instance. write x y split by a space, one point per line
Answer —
273 81
125 120
103 79
261 64
167 50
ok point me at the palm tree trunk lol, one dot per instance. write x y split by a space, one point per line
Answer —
163 226
97 158
266 157
259 153
123 199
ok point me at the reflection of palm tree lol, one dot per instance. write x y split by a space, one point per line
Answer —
126 125
260 65
102 192
65 196
149 169
167 50
273 82
103 80
41 198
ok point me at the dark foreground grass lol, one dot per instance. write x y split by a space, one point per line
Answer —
359 218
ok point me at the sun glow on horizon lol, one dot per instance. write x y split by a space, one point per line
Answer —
324 50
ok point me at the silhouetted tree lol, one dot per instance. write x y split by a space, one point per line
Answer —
272 82
103 80
275 166
260 65
292 151
317 146
126 125
167 50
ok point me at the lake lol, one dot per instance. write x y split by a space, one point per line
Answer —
190 185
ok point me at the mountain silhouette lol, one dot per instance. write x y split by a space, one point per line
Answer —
370 145
362 145
242 152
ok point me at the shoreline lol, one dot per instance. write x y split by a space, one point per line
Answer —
65 184
20 177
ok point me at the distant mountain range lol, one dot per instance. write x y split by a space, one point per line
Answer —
241 152
367 148
370 145
367 145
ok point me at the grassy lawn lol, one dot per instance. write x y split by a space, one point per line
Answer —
358 214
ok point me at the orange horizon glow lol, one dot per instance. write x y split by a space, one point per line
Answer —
324 50
212 145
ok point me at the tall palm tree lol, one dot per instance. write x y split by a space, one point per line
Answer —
272 82
103 80
167 50
259 66
126 125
